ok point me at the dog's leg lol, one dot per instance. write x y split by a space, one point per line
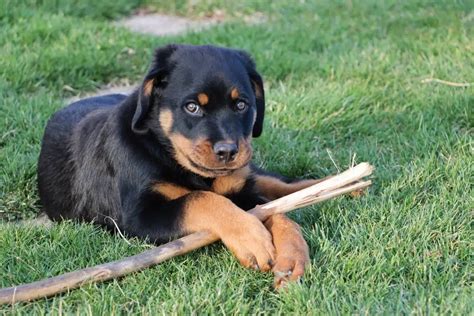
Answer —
273 187
292 255
241 232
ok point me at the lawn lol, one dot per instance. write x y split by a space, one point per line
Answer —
343 83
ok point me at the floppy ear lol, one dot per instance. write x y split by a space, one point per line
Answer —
257 85
154 81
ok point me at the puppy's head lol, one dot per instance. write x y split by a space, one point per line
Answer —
206 103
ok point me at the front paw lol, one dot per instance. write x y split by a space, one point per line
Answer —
292 253
289 267
250 242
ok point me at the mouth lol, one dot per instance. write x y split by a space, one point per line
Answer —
222 171
212 172
195 158
215 171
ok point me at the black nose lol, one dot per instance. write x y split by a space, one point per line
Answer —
225 152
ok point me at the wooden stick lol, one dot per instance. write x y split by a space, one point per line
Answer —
339 184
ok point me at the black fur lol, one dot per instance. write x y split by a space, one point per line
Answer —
101 156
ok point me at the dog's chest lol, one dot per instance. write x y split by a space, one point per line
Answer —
225 185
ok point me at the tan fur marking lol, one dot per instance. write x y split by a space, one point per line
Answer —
232 183
292 252
241 232
203 99
273 188
148 87
258 90
201 153
204 205
169 190
166 121
234 94
184 149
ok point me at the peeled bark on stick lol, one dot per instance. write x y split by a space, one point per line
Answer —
342 183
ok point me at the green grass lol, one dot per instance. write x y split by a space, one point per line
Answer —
343 81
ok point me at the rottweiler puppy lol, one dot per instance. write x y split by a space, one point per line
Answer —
173 158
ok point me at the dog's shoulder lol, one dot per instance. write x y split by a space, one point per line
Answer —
79 109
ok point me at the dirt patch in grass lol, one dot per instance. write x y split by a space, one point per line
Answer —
162 25
157 24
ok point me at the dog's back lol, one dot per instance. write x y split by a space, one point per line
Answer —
55 188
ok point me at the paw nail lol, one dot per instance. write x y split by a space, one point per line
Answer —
280 274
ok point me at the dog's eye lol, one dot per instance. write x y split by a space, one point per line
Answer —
241 106
193 109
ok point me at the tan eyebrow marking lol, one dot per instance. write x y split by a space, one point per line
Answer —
234 94
203 98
